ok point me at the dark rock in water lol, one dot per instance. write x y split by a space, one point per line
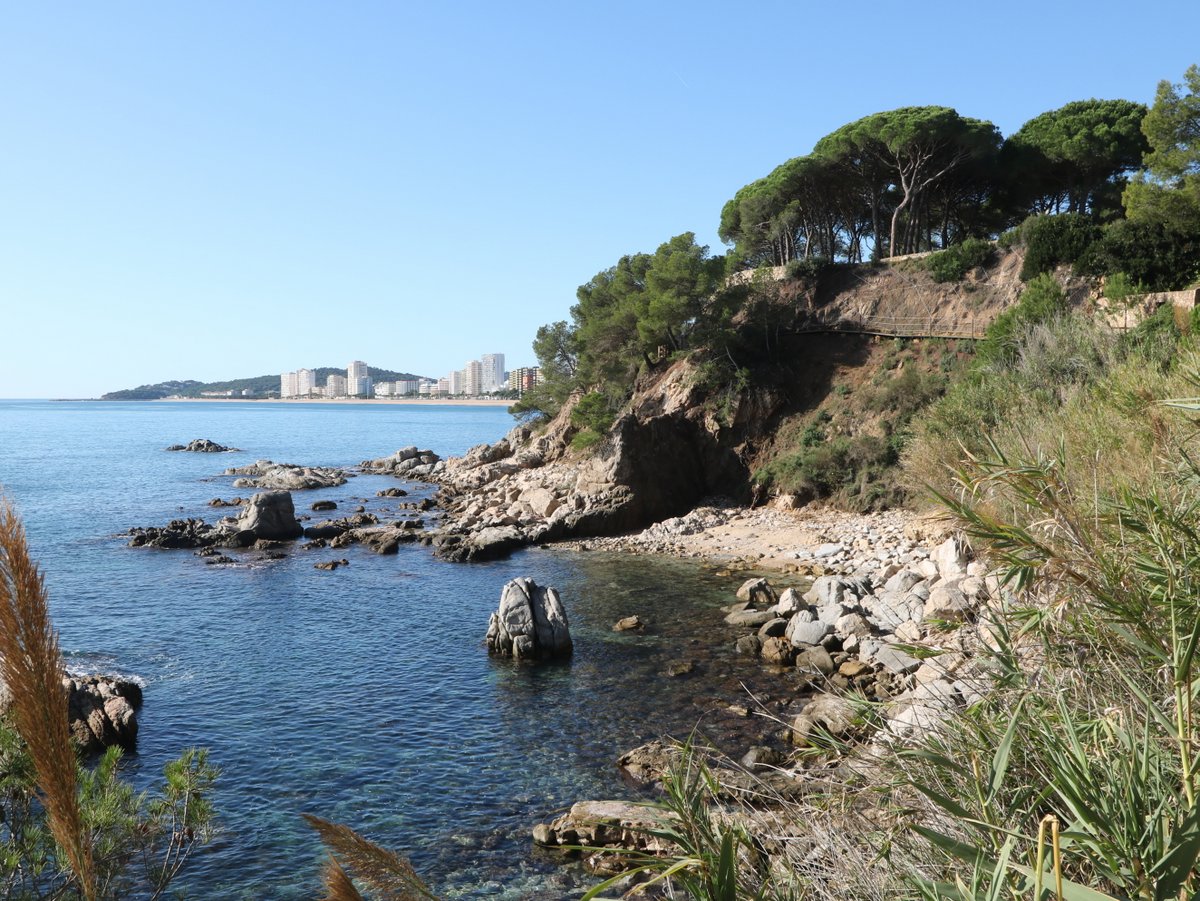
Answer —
392 492
271 515
233 502
319 506
102 711
220 558
202 446
629 624
331 565
530 623
486 544
178 533
679 668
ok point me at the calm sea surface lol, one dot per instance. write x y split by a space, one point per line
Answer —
364 695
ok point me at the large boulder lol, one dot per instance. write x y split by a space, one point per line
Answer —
530 623
102 711
270 515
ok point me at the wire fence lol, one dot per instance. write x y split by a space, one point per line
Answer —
900 326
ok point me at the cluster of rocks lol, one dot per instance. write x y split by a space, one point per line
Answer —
102 710
896 633
903 632
407 463
267 516
202 446
365 529
286 476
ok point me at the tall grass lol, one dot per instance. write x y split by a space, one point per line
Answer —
99 828
30 666
1077 778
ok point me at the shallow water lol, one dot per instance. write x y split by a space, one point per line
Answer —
365 694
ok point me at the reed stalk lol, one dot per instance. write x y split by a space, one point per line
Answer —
31 666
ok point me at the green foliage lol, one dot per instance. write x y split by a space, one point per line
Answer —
1156 253
593 411
807 269
1041 300
1082 771
953 264
140 842
1068 157
1050 240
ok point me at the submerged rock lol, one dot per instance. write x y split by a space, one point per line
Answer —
530 623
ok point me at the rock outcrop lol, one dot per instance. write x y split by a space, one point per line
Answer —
408 462
202 446
102 710
662 456
270 515
285 476
530 624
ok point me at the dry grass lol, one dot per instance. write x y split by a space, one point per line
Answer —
385 872
338 885
31 668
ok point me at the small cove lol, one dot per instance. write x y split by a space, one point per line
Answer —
364 695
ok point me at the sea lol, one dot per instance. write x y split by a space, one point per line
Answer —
364 695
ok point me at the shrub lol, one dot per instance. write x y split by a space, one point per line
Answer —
953 263
1050 240
1154 254
812 268
593 412
1041 300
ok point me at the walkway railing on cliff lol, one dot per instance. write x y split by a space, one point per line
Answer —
899 326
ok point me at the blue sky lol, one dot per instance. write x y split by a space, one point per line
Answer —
216 190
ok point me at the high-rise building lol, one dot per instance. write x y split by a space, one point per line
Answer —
335 386
454 382
358 381
524 378
288 385
306 382
492 366
473 378
410 386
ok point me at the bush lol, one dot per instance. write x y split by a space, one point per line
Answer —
593 412
812 268
1154 254
1042 299
1050 240
953 263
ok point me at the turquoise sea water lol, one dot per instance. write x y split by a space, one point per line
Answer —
364 695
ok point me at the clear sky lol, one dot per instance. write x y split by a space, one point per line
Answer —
214 190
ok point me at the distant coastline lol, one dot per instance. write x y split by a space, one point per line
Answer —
422 401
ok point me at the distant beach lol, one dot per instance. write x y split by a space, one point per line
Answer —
435 401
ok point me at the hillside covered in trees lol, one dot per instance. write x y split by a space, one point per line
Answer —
261 385
1106 189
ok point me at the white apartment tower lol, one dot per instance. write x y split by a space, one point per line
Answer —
358 382
473 378
493 373
454 382
287 385
306 382
335 386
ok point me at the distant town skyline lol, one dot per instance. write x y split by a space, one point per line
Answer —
203 191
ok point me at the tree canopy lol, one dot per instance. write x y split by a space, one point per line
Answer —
1074 158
